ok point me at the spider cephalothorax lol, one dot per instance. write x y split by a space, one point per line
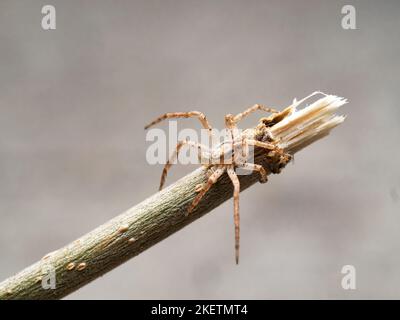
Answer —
237 149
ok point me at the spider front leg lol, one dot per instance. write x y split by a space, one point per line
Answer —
213 178
191 114
252 109
258 168
264 145
236 191
203 153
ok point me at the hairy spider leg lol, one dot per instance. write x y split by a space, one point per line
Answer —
191 114
252 109
213 178
203 153
264 145
256 167
236 217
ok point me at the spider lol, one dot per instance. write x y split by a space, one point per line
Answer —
232 153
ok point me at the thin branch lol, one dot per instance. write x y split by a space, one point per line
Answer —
164 213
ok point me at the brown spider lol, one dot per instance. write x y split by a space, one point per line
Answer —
237 151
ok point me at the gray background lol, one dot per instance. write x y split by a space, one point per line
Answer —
73 103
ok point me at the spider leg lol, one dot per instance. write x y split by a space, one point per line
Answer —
191 114
256 143
211 180
236 191
203 153
258 168
252 109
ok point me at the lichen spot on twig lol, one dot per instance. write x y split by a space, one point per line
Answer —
81 266
123 228
48 255
70 266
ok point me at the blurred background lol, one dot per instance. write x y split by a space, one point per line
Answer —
73 103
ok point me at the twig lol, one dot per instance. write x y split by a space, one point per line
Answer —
164 213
